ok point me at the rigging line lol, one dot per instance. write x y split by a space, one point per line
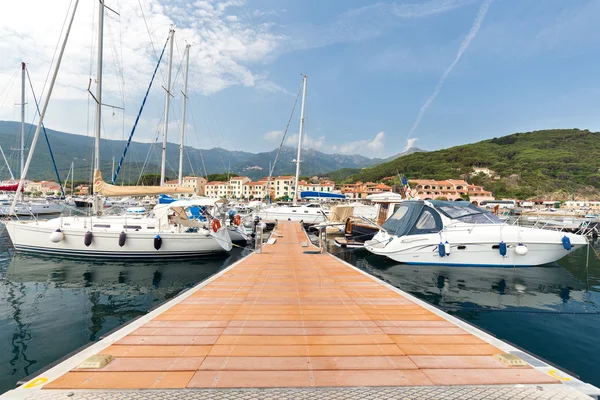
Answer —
150 148
56 48
11 83
114 178
189 160
151 40
286 130
37 107
215 117
196 137
118 66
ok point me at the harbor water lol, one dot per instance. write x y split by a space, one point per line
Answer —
52 306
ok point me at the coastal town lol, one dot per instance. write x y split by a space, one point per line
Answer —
281 188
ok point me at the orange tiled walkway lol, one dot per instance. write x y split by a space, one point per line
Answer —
284 318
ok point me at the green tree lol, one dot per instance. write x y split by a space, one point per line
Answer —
150 180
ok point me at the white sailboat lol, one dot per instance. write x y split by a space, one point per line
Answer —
311 213
169 231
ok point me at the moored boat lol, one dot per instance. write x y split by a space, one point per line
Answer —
461 234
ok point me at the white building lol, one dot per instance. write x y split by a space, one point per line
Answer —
236 186
195 182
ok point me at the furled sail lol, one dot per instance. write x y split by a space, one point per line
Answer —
106 189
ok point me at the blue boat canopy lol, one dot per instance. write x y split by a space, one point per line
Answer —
165 199
311 194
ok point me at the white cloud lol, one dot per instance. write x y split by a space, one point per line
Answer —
225 46
273 136
410 142
308 142
369 148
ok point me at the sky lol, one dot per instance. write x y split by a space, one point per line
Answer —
382 75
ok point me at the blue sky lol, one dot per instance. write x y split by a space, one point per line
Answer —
371 66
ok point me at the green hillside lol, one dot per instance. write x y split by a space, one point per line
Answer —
564 162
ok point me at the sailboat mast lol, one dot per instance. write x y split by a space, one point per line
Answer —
300 140
185 82
168 90
98 122
22 149
98 126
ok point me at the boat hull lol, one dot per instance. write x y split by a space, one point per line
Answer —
31 238
308 217
481 248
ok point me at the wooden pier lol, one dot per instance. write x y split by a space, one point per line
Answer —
294 320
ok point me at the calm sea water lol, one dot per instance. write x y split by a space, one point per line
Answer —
551 311
52 306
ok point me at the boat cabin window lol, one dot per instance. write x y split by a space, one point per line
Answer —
413 218
101 226
392 224
426 221
467 212
132 226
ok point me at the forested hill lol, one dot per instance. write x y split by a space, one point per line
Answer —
564 162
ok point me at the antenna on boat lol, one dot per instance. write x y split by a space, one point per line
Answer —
184 93
295 200
168 98
44 108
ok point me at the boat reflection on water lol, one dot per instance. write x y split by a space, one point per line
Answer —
50 306
552 310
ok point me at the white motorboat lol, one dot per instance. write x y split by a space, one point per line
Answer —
461 234
25 208
170 231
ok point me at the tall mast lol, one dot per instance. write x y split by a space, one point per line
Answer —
22 149
300 140
185 81
98 126
99 85
168 90
44 108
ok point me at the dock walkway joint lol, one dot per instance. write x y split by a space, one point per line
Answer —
307 325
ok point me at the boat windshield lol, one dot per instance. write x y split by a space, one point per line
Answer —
466 212
413 218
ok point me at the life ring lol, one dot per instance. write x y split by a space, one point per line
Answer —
237 220
215 225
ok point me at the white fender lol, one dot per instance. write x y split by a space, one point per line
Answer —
521 249
56 236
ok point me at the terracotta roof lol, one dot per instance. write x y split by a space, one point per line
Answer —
216 183
239 178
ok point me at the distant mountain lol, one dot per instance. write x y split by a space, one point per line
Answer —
79 148
410 150
313 162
